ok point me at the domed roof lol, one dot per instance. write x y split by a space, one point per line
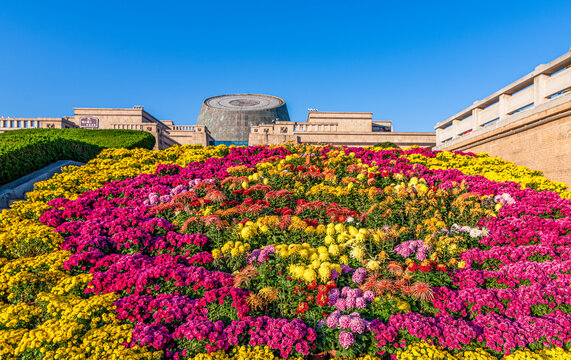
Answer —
244 102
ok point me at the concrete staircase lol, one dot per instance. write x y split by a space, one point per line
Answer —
17 189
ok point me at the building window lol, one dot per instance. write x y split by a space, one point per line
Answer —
283 130
381 128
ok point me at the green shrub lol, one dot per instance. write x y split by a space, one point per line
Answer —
25 151
387 145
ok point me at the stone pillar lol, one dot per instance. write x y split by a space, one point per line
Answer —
539 89
503 106
476 118
455 125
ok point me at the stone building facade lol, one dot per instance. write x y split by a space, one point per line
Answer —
339 128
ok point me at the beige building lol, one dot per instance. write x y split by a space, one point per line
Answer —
166 132
339 128
527 122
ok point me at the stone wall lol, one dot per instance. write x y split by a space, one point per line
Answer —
191 135
541 141
344 121
320 133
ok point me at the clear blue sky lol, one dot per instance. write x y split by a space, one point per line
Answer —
412 62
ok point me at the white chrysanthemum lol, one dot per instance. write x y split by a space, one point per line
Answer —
475 233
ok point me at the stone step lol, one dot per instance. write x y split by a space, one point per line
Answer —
17 189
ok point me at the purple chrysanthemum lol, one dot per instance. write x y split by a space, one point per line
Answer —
359 275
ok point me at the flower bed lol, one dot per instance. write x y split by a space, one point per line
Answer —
293 251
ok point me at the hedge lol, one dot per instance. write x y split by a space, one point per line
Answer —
387 145
25 151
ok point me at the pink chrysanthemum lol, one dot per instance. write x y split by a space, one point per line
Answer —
344 321
333 319
360 303
346 339
340 304
354 293
350 303
357 325
359 275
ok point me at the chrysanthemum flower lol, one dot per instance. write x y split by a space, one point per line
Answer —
346 339
344 321
215 196
268 293
359 275
357 325
254 301
394 268
309 275
422 291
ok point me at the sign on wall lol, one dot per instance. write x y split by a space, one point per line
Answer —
89 122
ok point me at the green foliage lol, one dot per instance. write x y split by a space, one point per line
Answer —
387 145
25 151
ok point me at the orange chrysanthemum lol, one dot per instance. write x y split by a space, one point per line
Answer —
394 268
255 302
187 196
270 294
215 195
245 275
422 291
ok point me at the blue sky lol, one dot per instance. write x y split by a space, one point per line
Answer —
413 62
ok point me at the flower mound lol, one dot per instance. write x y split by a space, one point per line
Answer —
285 252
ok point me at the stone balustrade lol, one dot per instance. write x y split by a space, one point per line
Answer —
7 123
140 127
545 86
10 124
304 127
186 128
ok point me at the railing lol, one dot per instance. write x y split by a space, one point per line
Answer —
11 124
21 123
186 128
301 127
129 126
539 88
